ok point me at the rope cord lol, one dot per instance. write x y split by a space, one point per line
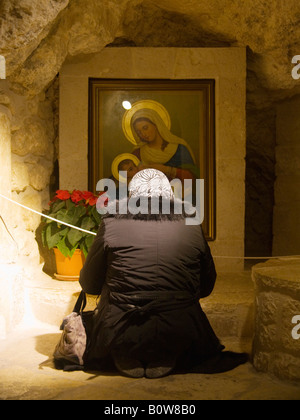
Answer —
48 217
93 233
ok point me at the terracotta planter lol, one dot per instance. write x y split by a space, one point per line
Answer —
68 268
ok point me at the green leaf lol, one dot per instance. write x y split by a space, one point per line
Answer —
71 252
43 234
74 236
60 215
84 249
87 223
96 215
65 248
79 212
69 204
64 216
57 205
49 220
89 241
52 233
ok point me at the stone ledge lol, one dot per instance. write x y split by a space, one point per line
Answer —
280 274
277 289
41 298
51 300
230 307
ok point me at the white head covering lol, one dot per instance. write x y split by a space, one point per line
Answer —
150 183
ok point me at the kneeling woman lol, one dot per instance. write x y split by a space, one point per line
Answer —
151 270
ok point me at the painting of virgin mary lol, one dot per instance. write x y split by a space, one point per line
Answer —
157 147
161 124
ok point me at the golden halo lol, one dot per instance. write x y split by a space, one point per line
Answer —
117 160
146 103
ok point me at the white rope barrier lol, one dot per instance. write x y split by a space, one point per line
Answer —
260 258
48 217
94 233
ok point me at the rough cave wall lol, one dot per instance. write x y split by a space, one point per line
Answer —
286 225
260 176
32 131
38 35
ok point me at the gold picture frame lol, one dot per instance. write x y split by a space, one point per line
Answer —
187 109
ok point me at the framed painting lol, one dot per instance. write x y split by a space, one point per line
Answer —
165 124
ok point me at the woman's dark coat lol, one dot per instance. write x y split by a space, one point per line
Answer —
151 272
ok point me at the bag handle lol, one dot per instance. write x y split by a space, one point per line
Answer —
81 302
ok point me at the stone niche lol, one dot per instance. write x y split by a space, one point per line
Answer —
227 66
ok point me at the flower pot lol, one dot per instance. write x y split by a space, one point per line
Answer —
68 268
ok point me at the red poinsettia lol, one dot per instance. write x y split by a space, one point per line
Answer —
92 201
86 195
78 209
76 196
62 195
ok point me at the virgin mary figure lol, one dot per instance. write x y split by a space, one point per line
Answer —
160 149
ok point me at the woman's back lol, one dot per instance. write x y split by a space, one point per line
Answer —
153 255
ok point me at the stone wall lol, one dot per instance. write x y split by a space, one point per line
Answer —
10 280
27 132
32 155
260 177
8 249
276 348
287 185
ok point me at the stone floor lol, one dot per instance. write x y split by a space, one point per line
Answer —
27 373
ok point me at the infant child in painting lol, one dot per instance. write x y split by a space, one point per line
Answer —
130 167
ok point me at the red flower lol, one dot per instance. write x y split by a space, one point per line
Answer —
93 200
76 196
86 195
103 200
62 194
89 197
